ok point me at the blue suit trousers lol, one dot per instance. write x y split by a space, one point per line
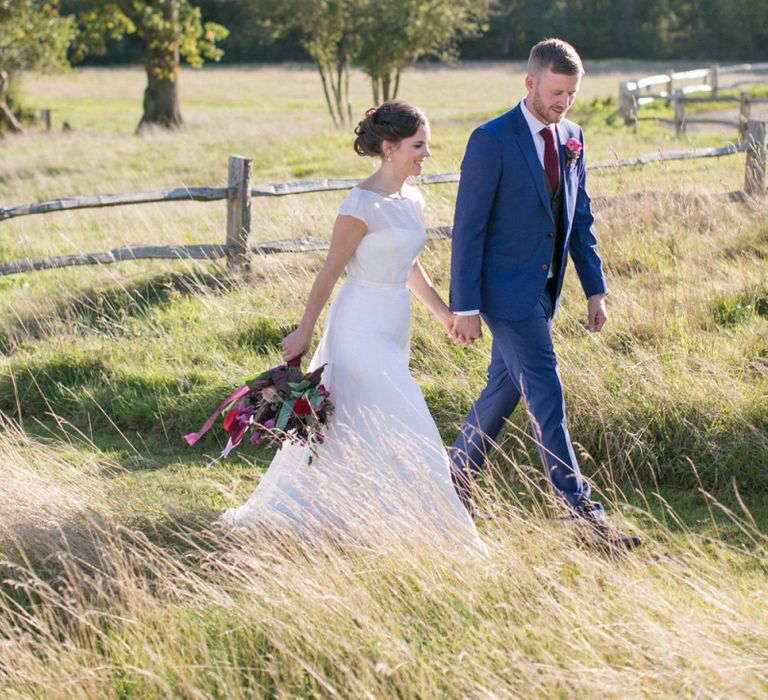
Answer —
523 364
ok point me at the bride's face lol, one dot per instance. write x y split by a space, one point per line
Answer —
409 155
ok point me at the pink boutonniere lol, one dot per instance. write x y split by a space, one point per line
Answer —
573 149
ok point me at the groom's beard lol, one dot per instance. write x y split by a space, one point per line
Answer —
544 113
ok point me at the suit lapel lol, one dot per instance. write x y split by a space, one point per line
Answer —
528 149
565 178
569 177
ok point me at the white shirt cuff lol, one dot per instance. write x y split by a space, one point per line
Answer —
474 312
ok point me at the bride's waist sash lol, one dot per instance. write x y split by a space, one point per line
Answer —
375 285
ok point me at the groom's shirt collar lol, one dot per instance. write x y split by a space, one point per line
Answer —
536 126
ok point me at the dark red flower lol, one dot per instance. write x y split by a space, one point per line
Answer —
237 420
302 407
230 420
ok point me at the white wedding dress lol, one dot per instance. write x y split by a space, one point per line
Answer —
382 475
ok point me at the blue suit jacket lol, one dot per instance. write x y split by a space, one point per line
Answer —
504 231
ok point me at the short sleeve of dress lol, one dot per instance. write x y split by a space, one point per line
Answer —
355 205
419 197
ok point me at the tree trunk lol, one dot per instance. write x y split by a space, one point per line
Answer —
6 115
346 90
397 85
339 91
331 66
161 97
334 75
326 93
161 103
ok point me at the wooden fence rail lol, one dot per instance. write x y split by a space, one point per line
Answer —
237 248
197 194
745 100
211 194
635 93
179 194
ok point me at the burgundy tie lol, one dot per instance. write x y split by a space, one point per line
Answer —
550 157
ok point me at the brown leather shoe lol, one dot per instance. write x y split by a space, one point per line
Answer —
604 537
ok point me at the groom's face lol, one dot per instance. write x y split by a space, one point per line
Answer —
551 94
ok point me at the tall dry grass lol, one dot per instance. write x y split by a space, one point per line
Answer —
92 608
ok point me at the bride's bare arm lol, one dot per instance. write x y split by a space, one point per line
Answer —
348 231
423 289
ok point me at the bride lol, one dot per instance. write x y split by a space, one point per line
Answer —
382 474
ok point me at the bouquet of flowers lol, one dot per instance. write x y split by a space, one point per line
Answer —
280 405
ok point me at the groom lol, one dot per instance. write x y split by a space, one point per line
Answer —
522 209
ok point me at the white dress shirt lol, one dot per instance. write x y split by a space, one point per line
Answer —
536 126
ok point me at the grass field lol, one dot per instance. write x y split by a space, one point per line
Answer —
114 583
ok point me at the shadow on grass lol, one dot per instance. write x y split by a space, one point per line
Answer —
41 557
138 418
653 448
91 394
262 336
660 513
105 309
152 411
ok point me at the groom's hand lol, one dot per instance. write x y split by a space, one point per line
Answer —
596 313
466 329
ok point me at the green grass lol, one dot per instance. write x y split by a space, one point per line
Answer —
114 584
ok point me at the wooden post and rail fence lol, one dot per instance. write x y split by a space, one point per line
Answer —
240 191
677 88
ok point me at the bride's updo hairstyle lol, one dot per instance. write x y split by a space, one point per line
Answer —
392 121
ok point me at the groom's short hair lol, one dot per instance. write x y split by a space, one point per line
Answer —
557 55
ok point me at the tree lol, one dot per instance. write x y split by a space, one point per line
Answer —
328 30
33 36
655 29
395 35
382 37
170 30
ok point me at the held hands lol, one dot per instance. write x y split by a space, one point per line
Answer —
295 344
447 320
596 313
465 330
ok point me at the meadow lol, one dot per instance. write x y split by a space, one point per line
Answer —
115 583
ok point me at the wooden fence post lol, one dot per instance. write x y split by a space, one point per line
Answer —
714 79
679 112
671 86
45 115
754 183
745 111
238 214
627 104
623 101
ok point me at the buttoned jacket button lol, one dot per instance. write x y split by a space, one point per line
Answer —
545 267
550 235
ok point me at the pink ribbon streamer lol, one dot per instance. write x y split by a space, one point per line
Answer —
192 438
